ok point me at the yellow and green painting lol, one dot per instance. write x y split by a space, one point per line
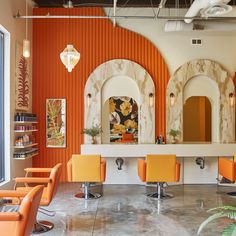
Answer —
56 123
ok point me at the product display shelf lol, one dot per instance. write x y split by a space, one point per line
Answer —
24 129
26 146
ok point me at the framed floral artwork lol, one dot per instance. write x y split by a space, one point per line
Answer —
56 123
22 74
123 116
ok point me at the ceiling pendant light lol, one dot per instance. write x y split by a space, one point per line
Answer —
70 56
26 42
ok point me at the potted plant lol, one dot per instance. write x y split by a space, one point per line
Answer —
174 133
222 211
94 131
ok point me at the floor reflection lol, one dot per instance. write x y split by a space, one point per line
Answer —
125 210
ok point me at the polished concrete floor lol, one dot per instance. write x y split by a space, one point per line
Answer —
125 210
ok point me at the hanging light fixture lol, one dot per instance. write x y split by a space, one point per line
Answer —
70 56
26 42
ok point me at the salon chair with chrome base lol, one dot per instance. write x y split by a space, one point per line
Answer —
86 169
227 169
159 169
51 184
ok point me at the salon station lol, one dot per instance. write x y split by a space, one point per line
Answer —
199 104
117 117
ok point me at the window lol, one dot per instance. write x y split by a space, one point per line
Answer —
2 164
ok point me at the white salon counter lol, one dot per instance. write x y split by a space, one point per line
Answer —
181 150
186 153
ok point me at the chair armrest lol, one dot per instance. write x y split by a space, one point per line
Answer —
12 193
103 169
35 180
227 168
177 171
10 216
35 170
142 169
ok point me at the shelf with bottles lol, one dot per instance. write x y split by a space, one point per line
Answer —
24 131
24 141
19 128
26 145
21 117
26 154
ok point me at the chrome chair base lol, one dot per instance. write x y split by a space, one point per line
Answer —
89 195
232 194
86 193
42 227
160 196
160 193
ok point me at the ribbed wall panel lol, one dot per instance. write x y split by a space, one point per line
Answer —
97 41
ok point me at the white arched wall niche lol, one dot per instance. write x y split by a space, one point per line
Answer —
204 86
115 87
204 70
105 77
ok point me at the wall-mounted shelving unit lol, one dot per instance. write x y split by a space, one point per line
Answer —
25 125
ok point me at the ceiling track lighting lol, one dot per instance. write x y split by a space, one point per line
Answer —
168 17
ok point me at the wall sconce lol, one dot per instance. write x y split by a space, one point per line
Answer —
172 99
151 99
89 99
231 99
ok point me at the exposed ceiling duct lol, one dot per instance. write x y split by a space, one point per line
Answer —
175 26
210 7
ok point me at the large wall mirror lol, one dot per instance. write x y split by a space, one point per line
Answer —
197 119
123 119
120 112
122 100
196 82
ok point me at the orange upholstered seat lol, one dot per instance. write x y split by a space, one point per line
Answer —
86 169
50 189
126 138
160 169
227 169
20 223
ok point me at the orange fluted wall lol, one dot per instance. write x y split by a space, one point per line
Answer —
97 41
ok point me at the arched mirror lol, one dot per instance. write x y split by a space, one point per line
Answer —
197 119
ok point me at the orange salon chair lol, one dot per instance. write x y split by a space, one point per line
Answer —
49 191
227 169
126 138
20 223
86 169
159 169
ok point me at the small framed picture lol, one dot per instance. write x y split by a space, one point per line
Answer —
56 123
